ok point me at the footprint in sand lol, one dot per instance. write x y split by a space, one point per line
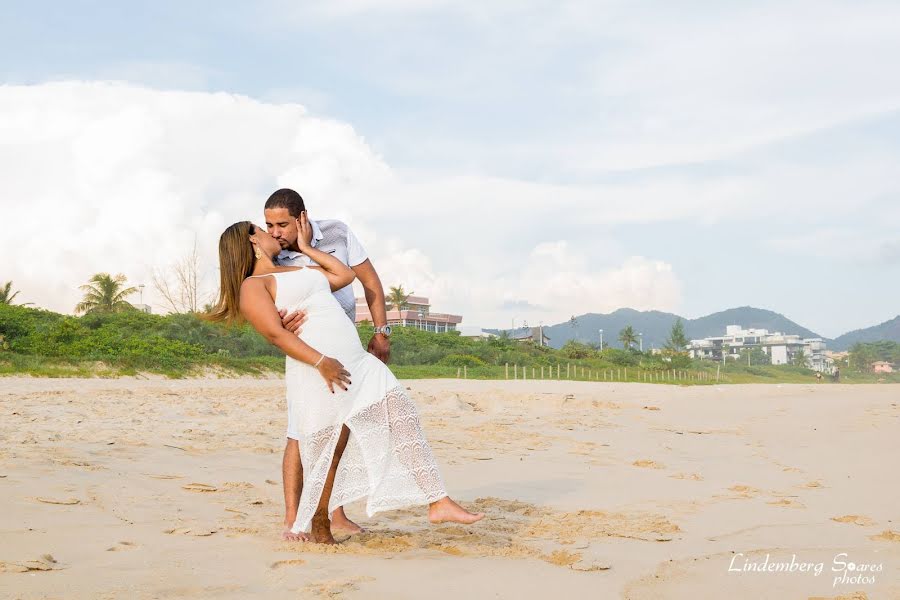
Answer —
786 503
582 565
562 558
63 501
745 491
886 536
123 545
333 589
574 561
237 485
199 487
855 519
291 562
648 464
691 476
511 529
196 531
44 563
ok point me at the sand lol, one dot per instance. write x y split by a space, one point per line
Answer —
150 488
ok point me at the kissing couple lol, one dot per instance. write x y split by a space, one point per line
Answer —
353 432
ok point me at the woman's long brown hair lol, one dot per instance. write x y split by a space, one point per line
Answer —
236 263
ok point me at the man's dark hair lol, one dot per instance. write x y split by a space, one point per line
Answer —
286 198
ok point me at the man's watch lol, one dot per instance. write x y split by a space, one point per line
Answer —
384 329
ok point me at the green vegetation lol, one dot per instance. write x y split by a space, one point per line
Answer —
41 342
862 355
109 343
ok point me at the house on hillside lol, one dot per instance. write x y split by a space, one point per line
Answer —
473 331
882 366
535 335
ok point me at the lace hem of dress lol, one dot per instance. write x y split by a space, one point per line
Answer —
387 459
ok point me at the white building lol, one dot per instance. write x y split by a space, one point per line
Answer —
781 348
416 313
474 331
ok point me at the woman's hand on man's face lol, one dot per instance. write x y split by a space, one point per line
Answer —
304 231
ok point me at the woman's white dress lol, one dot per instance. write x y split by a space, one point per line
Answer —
387 458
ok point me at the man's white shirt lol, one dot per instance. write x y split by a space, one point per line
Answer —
336 238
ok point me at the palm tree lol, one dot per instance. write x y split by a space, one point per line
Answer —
628 337
398 298
6 293
105 293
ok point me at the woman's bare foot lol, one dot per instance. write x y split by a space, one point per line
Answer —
321 530
289 536
340 522
445 510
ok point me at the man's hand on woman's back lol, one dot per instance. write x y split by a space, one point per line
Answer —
294 321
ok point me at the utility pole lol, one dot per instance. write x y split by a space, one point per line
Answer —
641 341
601 340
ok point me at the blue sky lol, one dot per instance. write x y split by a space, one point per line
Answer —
570 156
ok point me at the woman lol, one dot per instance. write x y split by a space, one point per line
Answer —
358 439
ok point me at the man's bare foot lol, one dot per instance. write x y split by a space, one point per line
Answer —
446 510
289 536
340 522
321 531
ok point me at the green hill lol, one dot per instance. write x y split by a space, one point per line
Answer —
887 331
655 325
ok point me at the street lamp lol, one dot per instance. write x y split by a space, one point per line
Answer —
601 340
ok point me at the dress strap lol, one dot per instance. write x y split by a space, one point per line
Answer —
278 272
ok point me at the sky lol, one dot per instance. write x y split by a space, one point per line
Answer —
514 161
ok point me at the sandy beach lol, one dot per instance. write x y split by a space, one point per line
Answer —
155 488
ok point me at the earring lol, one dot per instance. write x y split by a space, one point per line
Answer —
257 252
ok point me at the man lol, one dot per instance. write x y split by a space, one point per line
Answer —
282 210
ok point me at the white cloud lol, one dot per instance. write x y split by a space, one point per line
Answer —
563 282
113 177
611 85
554 281
840 245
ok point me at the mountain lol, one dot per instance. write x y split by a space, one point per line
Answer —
889 330
655 325
747 317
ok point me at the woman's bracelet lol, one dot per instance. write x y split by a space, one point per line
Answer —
321 358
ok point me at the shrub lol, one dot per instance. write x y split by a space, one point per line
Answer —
461 360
